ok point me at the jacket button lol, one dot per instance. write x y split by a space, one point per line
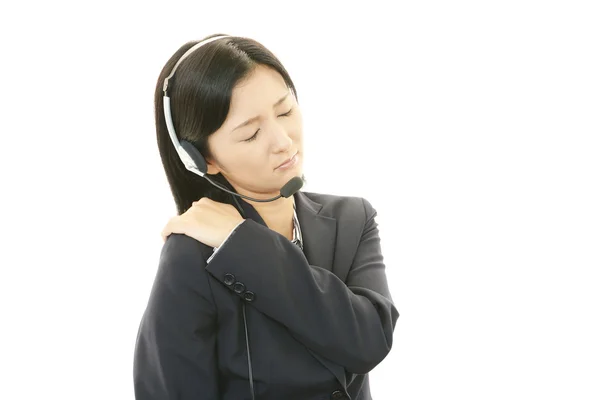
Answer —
249 296
337 395
239 287
229 279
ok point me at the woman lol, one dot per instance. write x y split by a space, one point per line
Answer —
280 299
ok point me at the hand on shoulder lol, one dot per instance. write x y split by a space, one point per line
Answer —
207 221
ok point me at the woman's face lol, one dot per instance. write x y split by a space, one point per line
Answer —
262 130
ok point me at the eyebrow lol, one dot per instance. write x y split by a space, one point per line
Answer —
249 121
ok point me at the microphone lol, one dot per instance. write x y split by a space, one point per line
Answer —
291 187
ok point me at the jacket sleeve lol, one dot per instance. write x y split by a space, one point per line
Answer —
175 354
350 323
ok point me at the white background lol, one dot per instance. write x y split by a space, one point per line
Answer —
471 126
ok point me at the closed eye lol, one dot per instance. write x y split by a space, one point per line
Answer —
286 114
253 137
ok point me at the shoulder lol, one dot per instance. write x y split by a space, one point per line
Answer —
181 285
182 262
184 249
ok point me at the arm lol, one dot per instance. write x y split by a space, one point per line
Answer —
175 355
349 323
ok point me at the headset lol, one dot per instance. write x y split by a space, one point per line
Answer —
194 162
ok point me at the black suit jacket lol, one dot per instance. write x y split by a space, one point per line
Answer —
319 319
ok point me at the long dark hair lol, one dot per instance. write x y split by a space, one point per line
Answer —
200 93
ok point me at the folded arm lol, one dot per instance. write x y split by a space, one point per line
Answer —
350 323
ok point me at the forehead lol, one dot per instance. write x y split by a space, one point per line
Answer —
263 87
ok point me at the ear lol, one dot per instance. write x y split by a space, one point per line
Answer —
212 170
211 167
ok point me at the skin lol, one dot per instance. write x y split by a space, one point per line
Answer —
250 163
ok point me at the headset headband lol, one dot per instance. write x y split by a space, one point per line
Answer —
199 166
185 55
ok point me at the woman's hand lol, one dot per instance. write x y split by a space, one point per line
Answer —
206 220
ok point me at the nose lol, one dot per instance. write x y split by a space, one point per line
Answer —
280 138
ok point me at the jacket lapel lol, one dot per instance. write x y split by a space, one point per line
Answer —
318 232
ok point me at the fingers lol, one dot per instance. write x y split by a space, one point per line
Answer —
203 200
168 229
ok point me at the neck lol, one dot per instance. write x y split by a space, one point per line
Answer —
278 215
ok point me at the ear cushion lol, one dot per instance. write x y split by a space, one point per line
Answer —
195 155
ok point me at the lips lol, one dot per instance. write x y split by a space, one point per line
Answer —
288 160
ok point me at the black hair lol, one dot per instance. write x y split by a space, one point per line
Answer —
200 93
